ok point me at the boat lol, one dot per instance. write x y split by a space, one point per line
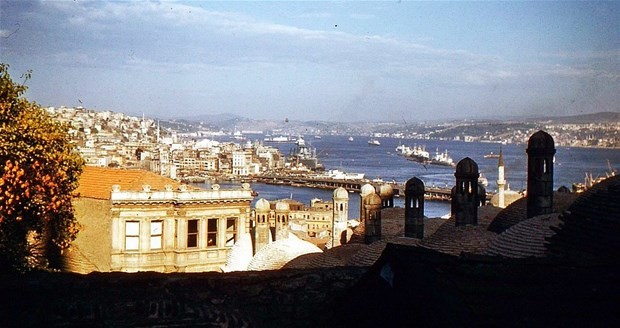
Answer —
442 159
415 153
374 142
351 139
304 155
491 155
482 180
281 139
317 137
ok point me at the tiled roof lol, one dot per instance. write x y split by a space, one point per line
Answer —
590 228
454 240
517 211
97 182
525 239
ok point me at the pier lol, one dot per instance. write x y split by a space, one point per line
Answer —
431 192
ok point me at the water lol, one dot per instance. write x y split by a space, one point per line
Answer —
336 152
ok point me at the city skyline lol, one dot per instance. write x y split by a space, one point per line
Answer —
333 61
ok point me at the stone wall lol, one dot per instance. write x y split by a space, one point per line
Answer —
285 298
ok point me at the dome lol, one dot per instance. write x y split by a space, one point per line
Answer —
385 190
540 140
367 189
373 199
341 193
277 254
240 254
262 205
282 206
467 167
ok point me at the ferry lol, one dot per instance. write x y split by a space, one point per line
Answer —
281 139
374 142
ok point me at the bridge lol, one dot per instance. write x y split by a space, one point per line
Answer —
355 185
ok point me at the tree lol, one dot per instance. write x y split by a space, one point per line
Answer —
39 171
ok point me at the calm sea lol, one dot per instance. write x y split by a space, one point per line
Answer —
336 152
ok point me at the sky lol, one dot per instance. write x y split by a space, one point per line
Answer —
331 61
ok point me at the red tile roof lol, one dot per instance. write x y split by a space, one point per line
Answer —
97 182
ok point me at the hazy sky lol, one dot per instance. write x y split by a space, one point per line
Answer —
347 61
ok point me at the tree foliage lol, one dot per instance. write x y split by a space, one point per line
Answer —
39 171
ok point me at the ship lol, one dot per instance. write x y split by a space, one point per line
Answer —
279 139
483 181
442 159
374 142
305 156
415 153
491 155
351 139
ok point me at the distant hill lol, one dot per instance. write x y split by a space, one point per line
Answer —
601 117
213 118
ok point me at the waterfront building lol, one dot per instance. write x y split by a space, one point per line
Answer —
134 220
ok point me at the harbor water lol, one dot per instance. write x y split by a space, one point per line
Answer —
383 162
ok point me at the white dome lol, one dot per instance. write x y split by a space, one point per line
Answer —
386 190
240 255
341 193
367 189
282 206
262 204
275 255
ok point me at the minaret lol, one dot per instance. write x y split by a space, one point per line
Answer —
340 217
501 182
540 152
158 132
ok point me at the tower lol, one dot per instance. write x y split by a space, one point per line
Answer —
372 207
501 182
540 152
340 217
261 225
281 220
465 197
414 208
366 190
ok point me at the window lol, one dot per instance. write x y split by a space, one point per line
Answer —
132 235
157 228
212 232
192 233
231 231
